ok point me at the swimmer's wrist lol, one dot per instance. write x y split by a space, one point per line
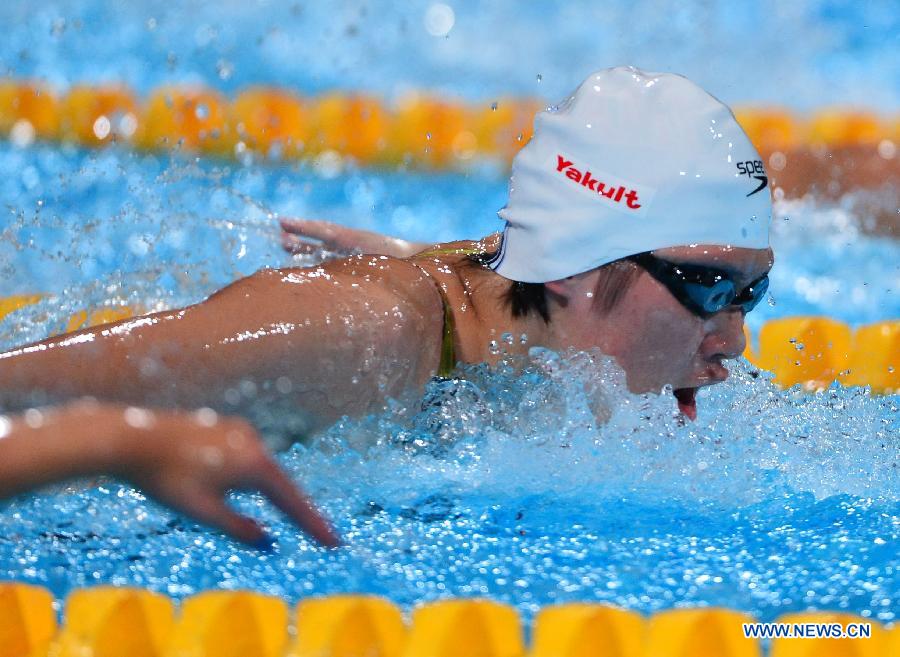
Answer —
99 439
58 444
105 441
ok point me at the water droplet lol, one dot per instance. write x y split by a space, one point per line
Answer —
128 124
493 347
799 346
539 77
225 69
22 133
439 20
58 27
887 149
523 339
206 417
494 106
201 111
507 338
102 127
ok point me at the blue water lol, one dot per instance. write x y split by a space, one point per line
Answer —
802 54
773 501
497 485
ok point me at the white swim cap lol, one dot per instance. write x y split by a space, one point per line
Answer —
631 162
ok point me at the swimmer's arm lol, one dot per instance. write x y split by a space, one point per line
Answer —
328 342
184 461
309 235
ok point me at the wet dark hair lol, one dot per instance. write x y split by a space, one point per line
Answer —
524 298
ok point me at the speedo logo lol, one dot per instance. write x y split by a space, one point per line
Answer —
621 194
754 169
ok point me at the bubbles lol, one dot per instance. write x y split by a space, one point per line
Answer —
22 133
34 418
541 481
502 483
5 426
30 177
329 164
101 127
206 417
128 124
887 149
777 161
224 69
138 418
439 19
211 457
284 385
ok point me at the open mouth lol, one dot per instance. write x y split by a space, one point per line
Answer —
687 401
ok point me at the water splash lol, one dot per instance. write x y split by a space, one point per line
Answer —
503 483
500 483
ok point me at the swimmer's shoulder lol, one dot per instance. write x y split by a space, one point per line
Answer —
382 301
461 248
384 285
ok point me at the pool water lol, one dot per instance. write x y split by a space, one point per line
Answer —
497 484
500 484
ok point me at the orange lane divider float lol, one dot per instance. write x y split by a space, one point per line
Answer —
815 351
108 622
808 351
79 320
418 131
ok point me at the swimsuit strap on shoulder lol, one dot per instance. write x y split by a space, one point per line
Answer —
449 250
448 352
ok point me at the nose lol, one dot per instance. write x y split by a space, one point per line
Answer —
725 335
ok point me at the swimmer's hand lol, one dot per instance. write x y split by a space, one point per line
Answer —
304 236
187 461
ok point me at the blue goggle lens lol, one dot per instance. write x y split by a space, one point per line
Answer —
702 290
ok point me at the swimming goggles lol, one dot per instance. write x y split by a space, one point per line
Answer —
702 290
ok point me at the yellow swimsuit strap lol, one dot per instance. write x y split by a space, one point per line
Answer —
448 351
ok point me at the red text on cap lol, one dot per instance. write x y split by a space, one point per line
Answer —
616 193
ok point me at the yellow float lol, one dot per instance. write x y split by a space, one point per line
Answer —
271 122
115 621
28 111
186 117
94 116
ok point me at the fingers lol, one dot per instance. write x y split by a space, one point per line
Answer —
320 230
293 244
278 487
212 510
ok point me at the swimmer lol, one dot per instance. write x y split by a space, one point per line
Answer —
183 460
630 228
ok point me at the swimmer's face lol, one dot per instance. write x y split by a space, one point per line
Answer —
654 338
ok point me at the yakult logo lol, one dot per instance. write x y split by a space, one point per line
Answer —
621 194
